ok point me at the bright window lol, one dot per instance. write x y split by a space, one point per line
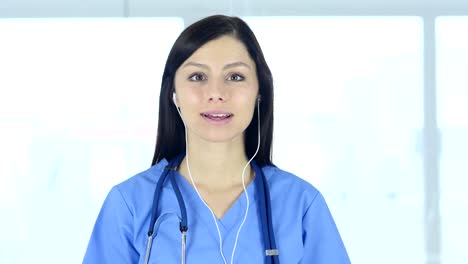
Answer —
78 114
452 95
348 108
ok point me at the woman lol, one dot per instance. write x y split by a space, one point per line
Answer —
213 194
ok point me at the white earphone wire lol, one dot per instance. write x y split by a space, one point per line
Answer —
196 189
243 184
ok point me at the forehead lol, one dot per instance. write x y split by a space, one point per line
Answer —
223 50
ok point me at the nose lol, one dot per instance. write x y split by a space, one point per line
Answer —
217 92
217 98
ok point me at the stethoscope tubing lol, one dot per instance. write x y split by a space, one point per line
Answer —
265 216
263 191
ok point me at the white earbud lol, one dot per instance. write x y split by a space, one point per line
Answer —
174 99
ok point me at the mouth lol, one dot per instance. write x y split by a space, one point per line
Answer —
217 118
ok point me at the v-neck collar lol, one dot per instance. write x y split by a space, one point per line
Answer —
233 216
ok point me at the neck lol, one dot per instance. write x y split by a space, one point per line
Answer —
216 166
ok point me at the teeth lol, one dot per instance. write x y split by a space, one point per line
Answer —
217 115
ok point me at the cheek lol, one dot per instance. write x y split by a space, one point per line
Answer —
190 101
187 95
248 106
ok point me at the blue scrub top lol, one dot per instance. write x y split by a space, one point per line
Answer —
304 228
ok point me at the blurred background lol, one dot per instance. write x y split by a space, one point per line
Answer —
371 107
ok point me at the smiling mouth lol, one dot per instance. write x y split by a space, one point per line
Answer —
217 116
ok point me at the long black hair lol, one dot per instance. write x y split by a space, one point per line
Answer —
170 139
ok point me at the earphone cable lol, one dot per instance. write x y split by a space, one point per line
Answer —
198 193
243 185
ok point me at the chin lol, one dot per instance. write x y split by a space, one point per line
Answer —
218 137
224 139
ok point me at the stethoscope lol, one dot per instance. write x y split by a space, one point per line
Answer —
271 251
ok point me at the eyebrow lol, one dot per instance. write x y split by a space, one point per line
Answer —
227 66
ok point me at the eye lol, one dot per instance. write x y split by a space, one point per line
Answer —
236 77
197 77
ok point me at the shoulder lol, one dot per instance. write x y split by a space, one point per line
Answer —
141 186
150 175
277 177
117 234
288 187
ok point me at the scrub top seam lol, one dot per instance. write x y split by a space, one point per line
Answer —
311 203
124 200
133 246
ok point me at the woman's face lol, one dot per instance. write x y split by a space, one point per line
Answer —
216 90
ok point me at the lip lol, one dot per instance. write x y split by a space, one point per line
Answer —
214 112
217 122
